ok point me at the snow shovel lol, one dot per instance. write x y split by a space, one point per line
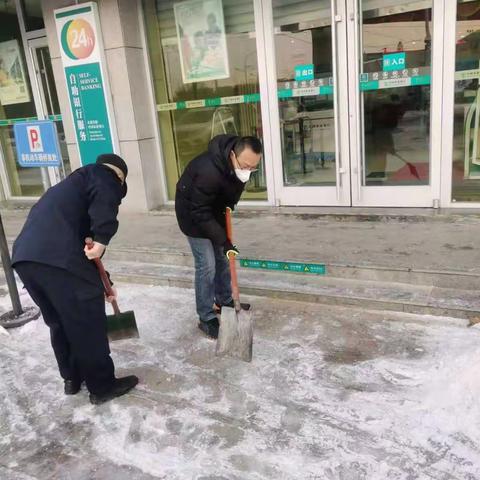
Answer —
120 325
235 337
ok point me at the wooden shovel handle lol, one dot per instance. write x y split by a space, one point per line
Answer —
103 275
233 265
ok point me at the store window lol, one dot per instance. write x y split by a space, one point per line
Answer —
16 102
466 146
204 62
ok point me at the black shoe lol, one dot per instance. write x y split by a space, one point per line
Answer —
210 328
120 387
245 306
72 387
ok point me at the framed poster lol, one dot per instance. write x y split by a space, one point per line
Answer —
13 81
202 43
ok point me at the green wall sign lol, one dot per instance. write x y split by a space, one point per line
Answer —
80 38
304 72
313 268
394 61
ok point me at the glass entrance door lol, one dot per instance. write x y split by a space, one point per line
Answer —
49 107
310 72
393 98
359 112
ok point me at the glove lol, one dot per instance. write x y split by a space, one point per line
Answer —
229 249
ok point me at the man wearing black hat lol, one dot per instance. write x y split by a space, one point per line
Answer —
55 266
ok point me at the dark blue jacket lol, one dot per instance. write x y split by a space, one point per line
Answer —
85 204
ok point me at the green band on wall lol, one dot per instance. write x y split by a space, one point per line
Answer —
78 11
297 92
11 121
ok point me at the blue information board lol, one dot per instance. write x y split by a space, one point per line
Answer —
37 144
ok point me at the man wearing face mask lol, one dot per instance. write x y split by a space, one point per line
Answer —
55 266
211 183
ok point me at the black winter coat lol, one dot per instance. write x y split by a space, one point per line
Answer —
85 204
208 185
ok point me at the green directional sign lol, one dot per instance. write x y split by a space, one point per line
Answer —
311 268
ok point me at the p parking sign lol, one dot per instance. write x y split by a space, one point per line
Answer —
37 144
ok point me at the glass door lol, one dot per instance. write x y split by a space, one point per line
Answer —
394 102
49 105
312 164
465 161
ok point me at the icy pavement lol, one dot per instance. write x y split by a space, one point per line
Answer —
332 393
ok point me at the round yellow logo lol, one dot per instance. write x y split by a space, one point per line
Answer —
78 39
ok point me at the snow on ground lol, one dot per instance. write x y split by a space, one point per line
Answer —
332 393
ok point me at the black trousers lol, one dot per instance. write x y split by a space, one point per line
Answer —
74 310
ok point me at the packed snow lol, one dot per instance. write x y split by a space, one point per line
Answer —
332 393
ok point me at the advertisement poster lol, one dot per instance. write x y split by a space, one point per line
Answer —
80 37
201 40
13 82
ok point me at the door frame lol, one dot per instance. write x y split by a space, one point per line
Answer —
449 107
396 196
338 195
349 191
41 103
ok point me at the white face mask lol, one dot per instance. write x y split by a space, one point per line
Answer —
243 175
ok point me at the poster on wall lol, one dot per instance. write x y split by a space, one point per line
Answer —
13 82
202 42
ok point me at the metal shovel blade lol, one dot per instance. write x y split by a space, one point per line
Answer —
121 326
235 337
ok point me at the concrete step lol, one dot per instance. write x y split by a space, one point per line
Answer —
373 295
410 276
353 214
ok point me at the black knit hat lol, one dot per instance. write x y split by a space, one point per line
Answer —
113 159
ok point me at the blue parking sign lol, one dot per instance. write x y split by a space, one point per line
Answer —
37 144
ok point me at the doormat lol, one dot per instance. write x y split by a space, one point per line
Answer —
312 268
